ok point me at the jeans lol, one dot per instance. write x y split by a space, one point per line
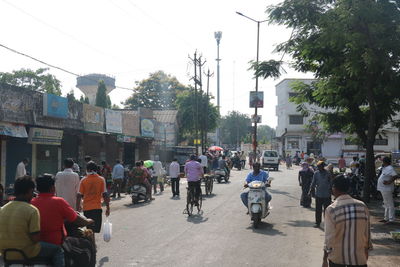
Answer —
389 205
117 184
319 202
245 197
175 186
53 252
331 264
197 188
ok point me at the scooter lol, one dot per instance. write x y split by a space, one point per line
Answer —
237 164
256 202
220 174
139 193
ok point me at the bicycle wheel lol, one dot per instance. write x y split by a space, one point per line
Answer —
189 202
207 186
200 202
211 185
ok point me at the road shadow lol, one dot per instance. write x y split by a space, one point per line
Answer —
197 218
265 228
301 223
102 261
137 205
212 195
279 192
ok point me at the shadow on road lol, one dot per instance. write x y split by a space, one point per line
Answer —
266 229
197 218
279 192
212 195
138 205
301 223
102 261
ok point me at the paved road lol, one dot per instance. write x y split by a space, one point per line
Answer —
158 234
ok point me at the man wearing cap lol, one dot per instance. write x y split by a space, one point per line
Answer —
321 183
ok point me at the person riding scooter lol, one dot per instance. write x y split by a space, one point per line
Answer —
256 175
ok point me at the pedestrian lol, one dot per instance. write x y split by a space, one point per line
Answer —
117 176
194 172
386 187
75 167
288 160
204 162
174 172
21 168
347 229
67 183
342 164
321 183
105 172
158 174
305 178
353 165
243 159
92 190
251 160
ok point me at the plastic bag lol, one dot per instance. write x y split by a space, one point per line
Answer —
107 231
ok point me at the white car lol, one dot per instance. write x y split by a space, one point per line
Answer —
270 159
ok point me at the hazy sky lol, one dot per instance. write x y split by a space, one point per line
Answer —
129 39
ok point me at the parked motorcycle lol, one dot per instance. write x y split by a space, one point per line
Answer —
220 174
256 202
139 193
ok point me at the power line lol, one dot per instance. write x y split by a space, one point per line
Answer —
56 67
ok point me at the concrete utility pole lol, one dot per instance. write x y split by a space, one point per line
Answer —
196 108
218 36
201 64
206 108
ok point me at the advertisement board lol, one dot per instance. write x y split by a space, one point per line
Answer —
147 128
256 99
93 118
113 121
55 106
13 130
45 136
256 119
130 124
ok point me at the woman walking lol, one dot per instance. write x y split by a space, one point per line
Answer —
305 179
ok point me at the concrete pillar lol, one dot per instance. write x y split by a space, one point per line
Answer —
3 150
33 160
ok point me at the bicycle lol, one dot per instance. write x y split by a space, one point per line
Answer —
208 184
191 201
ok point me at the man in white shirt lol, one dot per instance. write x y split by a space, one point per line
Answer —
21 170
158 175
117 175
386 187
67 183
204 162
174 172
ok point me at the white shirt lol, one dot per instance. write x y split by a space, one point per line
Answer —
387 173
21 171
204 160
174 169
157 166
67 186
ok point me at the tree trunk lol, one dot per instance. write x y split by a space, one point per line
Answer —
369 169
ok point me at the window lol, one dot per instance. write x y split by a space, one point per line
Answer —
292 142
296 119
381 142
293 94
270 154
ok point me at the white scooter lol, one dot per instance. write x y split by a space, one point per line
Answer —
256 201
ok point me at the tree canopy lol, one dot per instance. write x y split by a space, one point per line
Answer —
102 99
233 127
38 80
352 47
159 91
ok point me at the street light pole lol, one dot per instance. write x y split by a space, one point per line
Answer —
218 36
255 108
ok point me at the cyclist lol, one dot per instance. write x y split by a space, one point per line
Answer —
194 172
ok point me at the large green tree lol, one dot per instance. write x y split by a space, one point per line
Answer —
265 134
37 80
352 47
159 91
208 114
102 99
233 127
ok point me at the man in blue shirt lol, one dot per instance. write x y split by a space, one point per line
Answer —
256 175
117 176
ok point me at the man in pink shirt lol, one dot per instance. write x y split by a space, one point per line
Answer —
342 164
194 172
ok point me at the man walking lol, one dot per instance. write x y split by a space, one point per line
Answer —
117 177
386 187
21 168
347 229
67 183
204 162
158 174
321 183
194 172
174 174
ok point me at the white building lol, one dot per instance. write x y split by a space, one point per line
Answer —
294 137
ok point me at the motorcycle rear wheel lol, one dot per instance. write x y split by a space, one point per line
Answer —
256 218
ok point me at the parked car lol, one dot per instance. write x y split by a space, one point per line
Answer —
270 159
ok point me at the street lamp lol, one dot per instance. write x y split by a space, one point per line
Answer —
255 108
218 36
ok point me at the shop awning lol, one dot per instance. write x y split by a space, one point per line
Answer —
13 130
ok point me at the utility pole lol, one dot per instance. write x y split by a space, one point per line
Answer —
196 110
201 121
206 108
218 36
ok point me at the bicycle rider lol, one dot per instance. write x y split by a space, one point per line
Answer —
194 172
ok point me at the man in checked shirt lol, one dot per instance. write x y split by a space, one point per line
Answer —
347 229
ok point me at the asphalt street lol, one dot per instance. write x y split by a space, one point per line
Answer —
159 234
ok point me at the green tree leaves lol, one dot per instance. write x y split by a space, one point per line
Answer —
102 99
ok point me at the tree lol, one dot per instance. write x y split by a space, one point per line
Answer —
37 80
102 99
352 47
234 127
71 95
84 99
159 91
265 134
185 104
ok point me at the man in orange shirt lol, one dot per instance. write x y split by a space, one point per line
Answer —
92 189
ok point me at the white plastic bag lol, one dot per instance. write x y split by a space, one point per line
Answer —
107 230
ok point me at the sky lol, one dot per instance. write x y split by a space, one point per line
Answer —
129 39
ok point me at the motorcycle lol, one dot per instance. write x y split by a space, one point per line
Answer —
220 174
237 164
256 202
139 193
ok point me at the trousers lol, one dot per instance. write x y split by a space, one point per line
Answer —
175 186
388 204
53 252
331 264
319 203
245 198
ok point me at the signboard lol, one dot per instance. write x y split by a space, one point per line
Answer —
55 106
197 141
13 130
130 124
255 119
125 139
113 121
45 136
147 128
256 99
93 118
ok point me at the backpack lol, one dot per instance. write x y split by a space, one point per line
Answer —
79 252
